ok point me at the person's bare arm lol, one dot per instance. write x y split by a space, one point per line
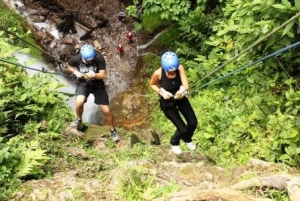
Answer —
101 75
183 77
155 79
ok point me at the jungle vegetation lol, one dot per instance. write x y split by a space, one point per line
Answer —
253 113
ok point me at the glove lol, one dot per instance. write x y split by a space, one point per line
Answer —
165 94
182 92
91 74
78 74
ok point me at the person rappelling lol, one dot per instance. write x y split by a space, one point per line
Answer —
90 70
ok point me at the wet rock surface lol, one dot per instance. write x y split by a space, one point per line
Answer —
86 177
61 26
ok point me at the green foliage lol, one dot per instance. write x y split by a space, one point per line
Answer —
17 159
268 107
153 22
139 151
132 9
171 9
26 102
9 18
168 37
158 191
252 114
152 62
138 26
9 159
33 157
133 185
14 23
26 98
196 25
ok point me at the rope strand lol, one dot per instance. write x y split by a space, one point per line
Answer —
26 67
251 64
251 46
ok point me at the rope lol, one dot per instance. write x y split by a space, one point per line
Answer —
11 33
253 63
56 59
251 46
43 70
215 70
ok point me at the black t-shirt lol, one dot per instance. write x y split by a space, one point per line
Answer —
172 85
97 64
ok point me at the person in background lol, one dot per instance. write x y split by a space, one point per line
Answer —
129 38
170 82
120 49
90 69
122 16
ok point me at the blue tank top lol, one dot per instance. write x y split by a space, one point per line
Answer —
172 85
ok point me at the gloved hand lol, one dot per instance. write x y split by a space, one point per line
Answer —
182 92
90 74
78 74
165 94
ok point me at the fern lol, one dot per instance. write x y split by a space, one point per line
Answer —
34 158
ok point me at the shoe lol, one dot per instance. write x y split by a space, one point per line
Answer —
176 150
115 135
191 146
76 123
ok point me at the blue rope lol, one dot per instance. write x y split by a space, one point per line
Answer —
253 63
43 70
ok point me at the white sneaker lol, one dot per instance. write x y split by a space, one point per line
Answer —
176 150
191 146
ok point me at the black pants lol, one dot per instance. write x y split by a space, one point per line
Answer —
184 131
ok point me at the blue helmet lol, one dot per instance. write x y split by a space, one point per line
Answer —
87 52
169 61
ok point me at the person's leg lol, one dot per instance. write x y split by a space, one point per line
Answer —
79 102
187 111
108 116
101 99
81 95
173 115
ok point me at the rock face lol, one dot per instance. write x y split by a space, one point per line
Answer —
60 27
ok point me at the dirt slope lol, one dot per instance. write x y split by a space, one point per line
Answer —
97 175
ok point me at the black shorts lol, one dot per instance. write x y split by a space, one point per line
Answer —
100 94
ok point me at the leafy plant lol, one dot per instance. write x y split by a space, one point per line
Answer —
33 158
134 184
171 9
153 22
26 103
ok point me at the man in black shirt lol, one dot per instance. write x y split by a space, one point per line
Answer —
90 69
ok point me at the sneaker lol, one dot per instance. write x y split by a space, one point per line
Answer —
176 150
115 135
191 146
76 123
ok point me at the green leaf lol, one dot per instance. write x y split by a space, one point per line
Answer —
34 157
297 4
287 3
208 135
256 99
287 28
200 58
280 6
